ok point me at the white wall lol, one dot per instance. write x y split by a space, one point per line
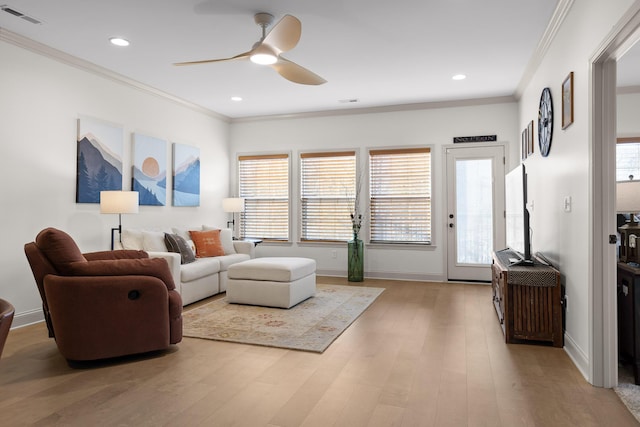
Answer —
40 100
434 127
564 236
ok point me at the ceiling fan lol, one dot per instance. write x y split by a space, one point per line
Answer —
283 37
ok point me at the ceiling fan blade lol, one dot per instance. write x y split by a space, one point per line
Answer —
285 34
296 73
206 61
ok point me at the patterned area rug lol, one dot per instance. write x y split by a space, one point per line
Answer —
311 325
628 392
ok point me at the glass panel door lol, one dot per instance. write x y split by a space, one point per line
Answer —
475 210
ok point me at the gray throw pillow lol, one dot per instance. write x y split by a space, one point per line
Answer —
177 244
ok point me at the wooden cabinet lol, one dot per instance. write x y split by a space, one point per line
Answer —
528 300
628 284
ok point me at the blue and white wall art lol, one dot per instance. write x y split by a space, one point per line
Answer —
186 175
149 177
99 162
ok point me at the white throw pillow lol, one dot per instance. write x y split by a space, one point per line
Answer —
153 241
184 232
226 238
132 239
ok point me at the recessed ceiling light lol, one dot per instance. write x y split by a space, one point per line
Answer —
118 41
236 98
459 77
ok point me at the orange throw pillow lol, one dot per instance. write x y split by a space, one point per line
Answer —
207 243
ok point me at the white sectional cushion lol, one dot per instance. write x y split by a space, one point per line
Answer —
276 269
132 239
226 238
228 260
153 241
201 268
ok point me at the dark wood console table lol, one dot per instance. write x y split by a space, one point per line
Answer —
528 300
628 284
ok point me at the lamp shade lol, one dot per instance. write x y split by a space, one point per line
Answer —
233 204
118 202
628 196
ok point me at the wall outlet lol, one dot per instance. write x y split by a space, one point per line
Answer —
334 254
567 203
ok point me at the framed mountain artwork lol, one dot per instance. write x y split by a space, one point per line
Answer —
186 175
99 159
149 174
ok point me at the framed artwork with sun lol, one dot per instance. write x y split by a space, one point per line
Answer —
149 176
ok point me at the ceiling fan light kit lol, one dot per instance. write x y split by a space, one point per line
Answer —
283 37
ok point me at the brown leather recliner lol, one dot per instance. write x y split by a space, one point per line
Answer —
104 304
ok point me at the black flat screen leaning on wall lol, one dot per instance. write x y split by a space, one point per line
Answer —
517 216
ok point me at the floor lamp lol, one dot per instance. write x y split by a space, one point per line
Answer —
233 205
118 202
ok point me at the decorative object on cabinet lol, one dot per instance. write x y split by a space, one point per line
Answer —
545 122
628 202
567 101
99 161
527 300
186 175
118 202
628 288
149 169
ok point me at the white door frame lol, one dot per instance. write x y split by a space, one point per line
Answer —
603 357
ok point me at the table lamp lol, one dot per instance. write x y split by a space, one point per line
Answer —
120 202
628 202
232 205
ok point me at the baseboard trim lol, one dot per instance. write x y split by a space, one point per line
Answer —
577 356
413 277
27 318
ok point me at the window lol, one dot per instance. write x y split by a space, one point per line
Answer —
264 184
627 158
400 191
327 191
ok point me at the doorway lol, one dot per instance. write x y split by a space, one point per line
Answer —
475 210
603 363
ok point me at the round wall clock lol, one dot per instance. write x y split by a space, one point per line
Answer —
545 122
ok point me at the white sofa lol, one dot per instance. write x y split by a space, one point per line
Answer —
199 279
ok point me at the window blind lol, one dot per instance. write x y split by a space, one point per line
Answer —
400 195
327 193
264 184
627 158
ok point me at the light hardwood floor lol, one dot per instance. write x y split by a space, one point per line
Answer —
423 354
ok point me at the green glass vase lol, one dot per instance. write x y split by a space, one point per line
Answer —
356 259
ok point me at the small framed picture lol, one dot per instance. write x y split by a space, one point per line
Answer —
530 143
524 144
567 101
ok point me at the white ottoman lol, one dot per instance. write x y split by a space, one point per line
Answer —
271 281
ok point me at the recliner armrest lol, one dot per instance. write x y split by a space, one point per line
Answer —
118 254
154 267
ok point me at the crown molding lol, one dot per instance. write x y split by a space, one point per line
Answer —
558 17
382 109
65 58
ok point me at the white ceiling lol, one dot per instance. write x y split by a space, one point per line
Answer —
380 53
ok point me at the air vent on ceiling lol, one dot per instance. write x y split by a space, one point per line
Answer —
19 14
